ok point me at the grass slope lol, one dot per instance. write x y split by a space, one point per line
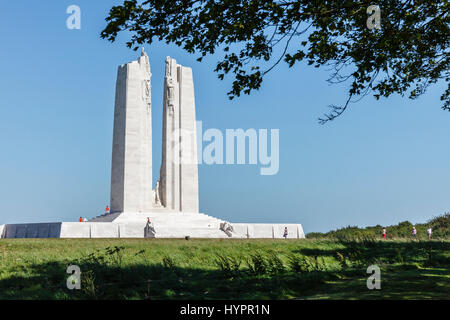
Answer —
223 269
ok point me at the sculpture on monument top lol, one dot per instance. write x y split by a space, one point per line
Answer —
146 86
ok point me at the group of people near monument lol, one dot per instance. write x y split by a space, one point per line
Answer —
413 233
81 219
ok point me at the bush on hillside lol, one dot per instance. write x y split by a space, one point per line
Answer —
440 226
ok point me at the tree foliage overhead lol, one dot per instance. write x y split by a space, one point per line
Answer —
405 56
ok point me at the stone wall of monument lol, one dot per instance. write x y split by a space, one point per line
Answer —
167 227
131 170
179 168
189 199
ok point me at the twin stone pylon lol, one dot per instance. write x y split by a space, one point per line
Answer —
173 205
131 171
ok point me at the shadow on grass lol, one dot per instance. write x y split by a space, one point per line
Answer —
48 281
409 270
428 253
412 284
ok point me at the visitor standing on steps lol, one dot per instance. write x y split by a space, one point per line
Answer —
107 210
81 219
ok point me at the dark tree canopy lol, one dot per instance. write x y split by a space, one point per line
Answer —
405 56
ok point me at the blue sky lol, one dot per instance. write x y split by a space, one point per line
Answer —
382 162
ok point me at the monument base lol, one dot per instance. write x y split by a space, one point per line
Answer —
167 224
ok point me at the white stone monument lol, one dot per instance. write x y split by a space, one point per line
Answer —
178 188
131 168
173 206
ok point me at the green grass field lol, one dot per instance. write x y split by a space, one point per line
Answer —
223 269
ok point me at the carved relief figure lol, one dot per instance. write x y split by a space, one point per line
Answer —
156 194
146 94
170 94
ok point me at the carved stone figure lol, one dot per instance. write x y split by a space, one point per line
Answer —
227 228
170 95
156 194
149 231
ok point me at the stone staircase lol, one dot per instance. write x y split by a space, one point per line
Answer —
169 224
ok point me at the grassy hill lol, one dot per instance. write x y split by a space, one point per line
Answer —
440 226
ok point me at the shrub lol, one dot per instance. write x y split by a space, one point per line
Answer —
399 256
300 264
439 224
115 254
229 265
257 264
342 260
168 262
88 287
275 264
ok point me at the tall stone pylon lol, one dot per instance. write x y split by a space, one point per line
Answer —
131 170
179 168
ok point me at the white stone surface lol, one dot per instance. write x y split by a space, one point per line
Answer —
188 147
104 230
179 170
166 224
131 170
131 230
169 176
169 224
75 230
240 230
105 217
267 230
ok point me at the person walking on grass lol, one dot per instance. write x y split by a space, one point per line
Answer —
429 231
414 232
384 233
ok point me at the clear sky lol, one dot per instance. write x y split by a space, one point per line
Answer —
381 163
